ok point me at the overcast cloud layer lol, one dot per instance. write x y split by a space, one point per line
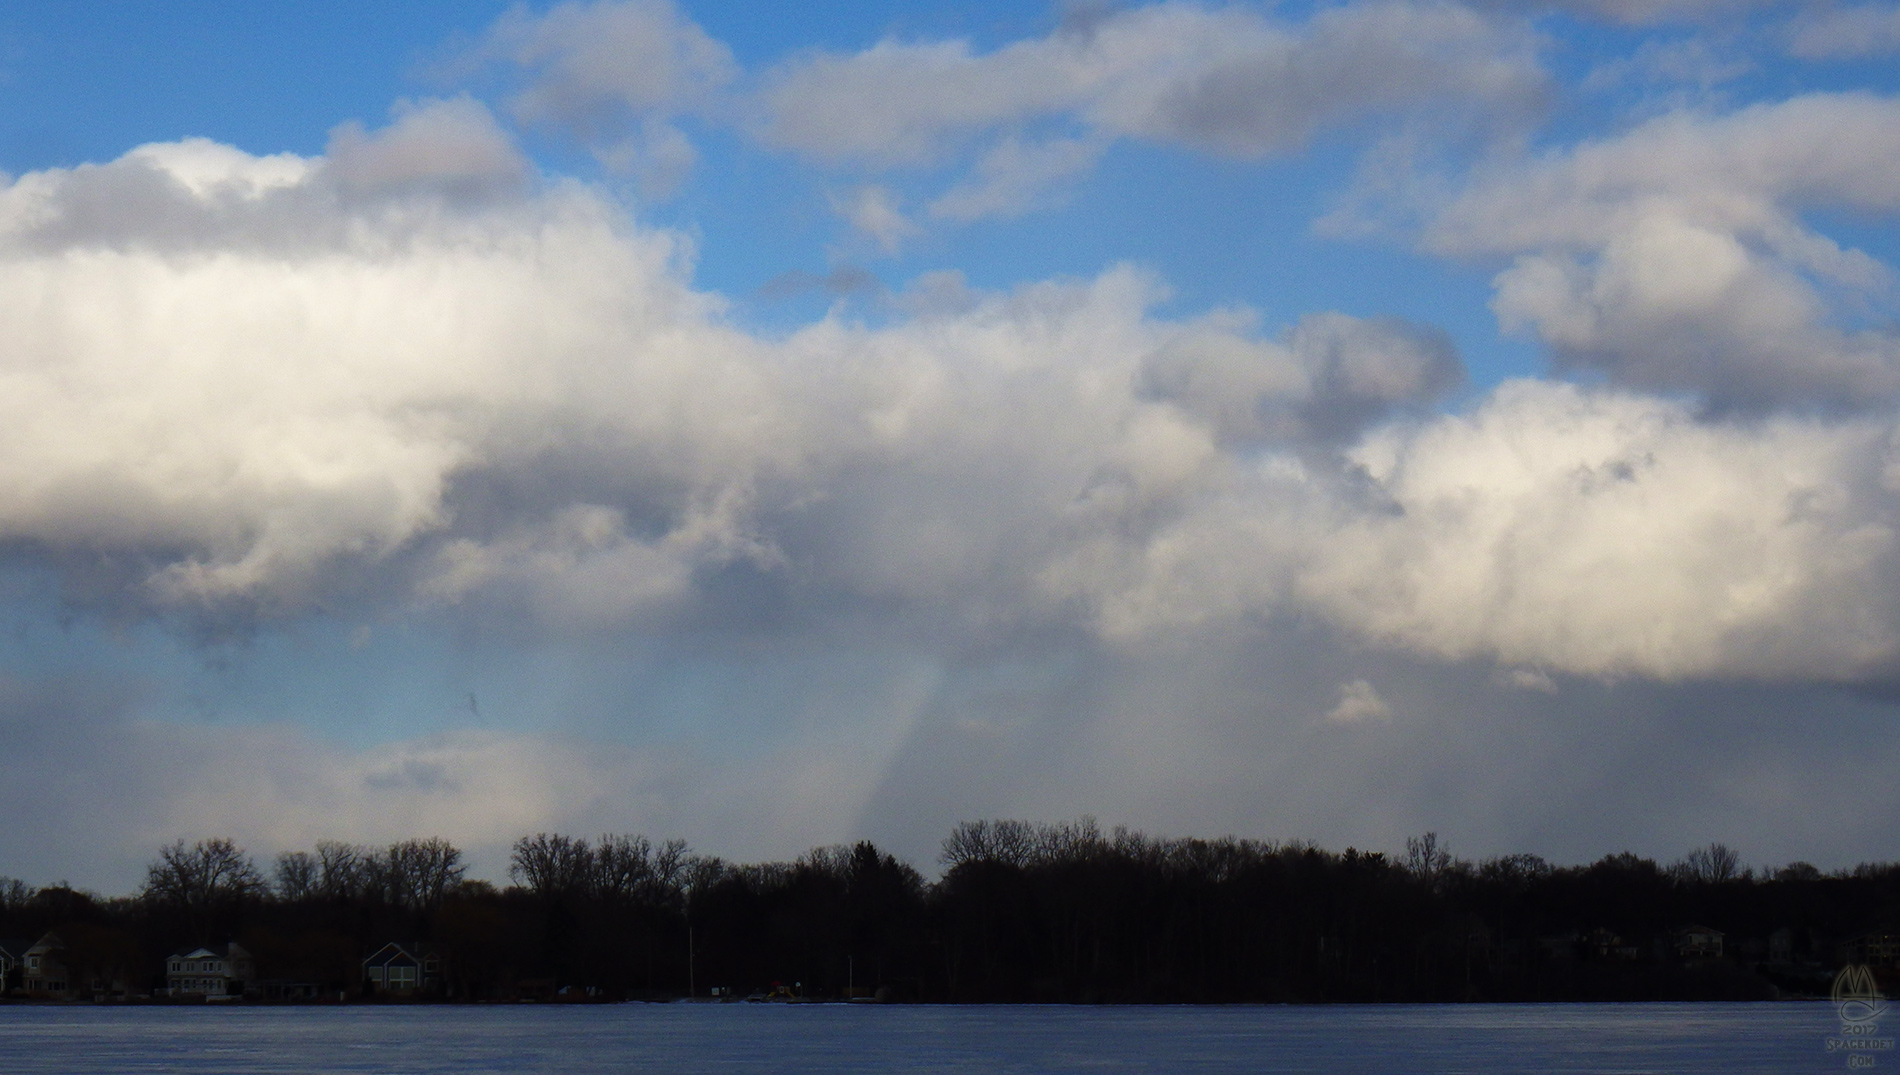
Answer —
1043 550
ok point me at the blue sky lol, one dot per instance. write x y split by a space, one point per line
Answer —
779 428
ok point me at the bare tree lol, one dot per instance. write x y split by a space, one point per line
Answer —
14 894
1012 843
622 866
552 864
1514 870
673 863
1798 871
297 876
969 841
1710 865
1425 859
700 873
341 870
416 873
1072 841
626 867
832 861
202 877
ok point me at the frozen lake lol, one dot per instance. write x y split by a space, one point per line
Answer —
1442 1040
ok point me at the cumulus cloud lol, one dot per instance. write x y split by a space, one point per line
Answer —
1615 535
1676 256
244 369
413 374
295 379
1230 81
1586 532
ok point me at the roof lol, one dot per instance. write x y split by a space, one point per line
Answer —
393 954
222 951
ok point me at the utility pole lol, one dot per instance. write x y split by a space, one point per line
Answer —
690 990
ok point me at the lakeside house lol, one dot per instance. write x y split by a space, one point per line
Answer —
44 973
402 970
12 964
1878 949
222 971
1699 942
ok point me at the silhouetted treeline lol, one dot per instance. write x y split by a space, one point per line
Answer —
1022 912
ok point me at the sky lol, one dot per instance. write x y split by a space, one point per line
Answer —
777 428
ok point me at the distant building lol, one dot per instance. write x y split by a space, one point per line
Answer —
403 970
44 973
1605 943
1559 945
222 971
1781 946
1699 942
12 964
1879 949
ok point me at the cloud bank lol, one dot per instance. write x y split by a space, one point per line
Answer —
973 550
251 382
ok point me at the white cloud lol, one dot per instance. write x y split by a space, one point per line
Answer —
614 74
589 65
1589 533
1230 81
1227 80
1614 535
1676 257
1527 679
254 368
1359 701
296 383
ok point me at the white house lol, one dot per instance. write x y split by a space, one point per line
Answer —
223 971
1699 942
